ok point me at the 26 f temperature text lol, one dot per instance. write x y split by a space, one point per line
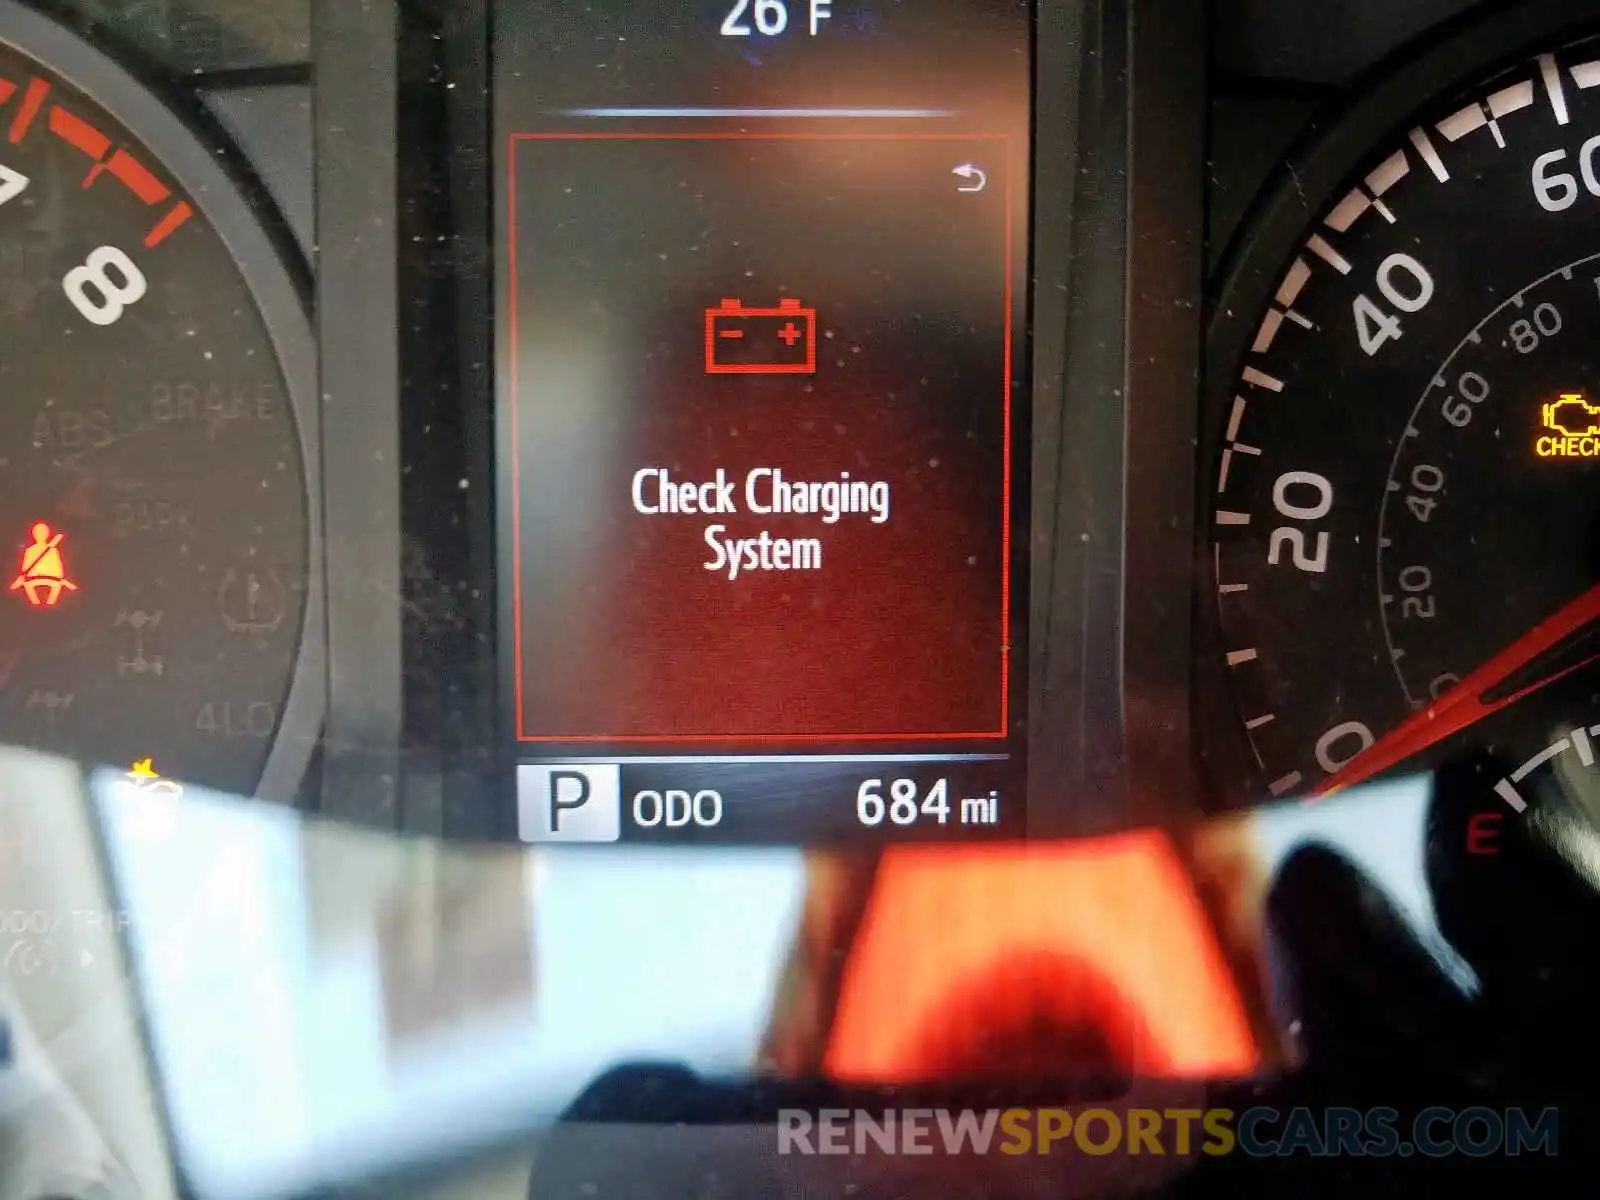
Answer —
769 18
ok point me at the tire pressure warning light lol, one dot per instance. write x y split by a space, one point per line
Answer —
761 341
43 575
1571 428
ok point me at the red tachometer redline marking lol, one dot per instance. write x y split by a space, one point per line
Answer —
32 102
79 134
6 89
179 213
136 177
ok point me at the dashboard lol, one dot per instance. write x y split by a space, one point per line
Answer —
854 481
759 430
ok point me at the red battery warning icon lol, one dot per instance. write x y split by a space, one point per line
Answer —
761 341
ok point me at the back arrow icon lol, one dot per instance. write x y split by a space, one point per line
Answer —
974 175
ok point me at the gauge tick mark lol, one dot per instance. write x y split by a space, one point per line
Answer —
81 136
1462 122
1319 246
1554 750
32 102
1510 99
1586 75
1551 75
1388 173
1286 783
1430 156
136 177
1261 379
179 213
1235 418
1346 212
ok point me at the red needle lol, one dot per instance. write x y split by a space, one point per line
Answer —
1466 703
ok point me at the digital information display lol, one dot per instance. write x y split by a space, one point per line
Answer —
763 427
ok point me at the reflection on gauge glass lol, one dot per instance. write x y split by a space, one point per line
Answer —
155 532
1404 480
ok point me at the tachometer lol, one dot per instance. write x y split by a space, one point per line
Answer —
156 528
1403 509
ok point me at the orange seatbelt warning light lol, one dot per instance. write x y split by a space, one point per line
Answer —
43 576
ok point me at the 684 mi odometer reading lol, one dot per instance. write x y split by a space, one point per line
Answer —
908 801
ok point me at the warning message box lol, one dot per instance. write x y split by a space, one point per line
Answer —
759 432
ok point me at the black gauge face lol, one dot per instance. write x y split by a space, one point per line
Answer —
154 528
1405 490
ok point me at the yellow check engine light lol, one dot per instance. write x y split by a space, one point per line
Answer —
1572 428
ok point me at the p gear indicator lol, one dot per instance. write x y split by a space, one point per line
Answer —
761 341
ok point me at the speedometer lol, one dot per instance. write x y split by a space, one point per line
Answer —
156 529
1402 509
